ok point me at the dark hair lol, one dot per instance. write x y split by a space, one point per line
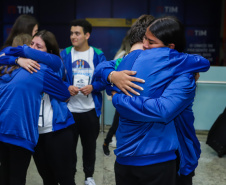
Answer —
139 27
50 41
18 40
169 30
23 24
87 27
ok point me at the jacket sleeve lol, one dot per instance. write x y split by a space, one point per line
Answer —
54 86
25 51
62 71
6 59
102 72
188 63
176 97
103 69
67 84
66 79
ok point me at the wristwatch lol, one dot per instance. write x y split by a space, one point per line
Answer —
16 60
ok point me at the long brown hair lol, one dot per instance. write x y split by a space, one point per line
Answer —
50 41
23 24
125 45
51 45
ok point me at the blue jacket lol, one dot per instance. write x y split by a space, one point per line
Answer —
97 85
62 117
11 53
20 98
160 121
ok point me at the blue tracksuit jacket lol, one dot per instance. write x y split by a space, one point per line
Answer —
20 98
11 53
97 85
62 117
151 124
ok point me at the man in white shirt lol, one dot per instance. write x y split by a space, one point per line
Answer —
86 99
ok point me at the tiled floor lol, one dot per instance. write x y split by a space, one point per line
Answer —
210 171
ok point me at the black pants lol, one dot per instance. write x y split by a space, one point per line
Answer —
183 179
156 174
113 129
14 162
54 157
88 128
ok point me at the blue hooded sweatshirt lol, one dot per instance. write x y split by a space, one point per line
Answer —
20 98
62 117
159 121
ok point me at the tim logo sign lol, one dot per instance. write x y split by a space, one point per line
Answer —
196 32
167 9
20 9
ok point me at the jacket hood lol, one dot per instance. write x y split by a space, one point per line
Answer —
9 77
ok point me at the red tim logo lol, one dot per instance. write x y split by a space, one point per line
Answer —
20 9
12 9
160 9
190 33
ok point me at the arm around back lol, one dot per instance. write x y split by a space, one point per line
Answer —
6 59
25 51
176 97
103 69
54 86
187 63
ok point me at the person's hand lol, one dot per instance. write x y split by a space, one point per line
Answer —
123 80
28 64
113 93
197 75
73 90
86 90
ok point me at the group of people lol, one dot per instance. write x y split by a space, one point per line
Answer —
156 141
47 102
50 98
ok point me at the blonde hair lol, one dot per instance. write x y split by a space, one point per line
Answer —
18 40
22 39
125 46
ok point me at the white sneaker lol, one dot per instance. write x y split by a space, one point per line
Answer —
113 143
90 181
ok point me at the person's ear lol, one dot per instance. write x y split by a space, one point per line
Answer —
87 35
171 46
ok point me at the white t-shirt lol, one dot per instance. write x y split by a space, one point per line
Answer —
45 115
82 70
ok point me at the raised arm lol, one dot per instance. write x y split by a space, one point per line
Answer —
103 69
106 72
188 63
6 60
25 51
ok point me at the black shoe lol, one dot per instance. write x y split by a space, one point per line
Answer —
106 150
